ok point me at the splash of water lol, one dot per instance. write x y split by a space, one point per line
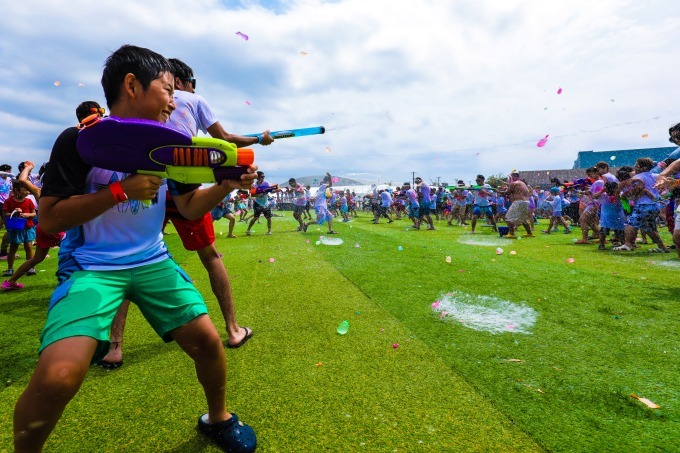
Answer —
485 313
486 241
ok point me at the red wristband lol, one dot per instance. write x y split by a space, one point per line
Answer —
118 193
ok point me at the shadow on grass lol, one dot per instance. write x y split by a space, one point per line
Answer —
197 443
30 297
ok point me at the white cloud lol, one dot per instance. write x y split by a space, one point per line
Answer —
443 88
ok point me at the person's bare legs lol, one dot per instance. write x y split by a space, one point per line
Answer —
28 249
232 221
676 241
221 288
60 371
12 255
38 258
201 341
630 235
115 354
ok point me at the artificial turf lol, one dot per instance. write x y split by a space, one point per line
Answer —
606 327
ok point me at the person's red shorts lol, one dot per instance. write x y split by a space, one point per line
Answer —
45 240
195 234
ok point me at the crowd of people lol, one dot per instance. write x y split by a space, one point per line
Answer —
608 209
88 211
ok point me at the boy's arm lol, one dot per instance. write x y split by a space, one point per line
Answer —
23 177
217 131
60 214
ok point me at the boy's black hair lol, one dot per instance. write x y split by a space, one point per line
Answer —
624 173
674 130
145 64
610 187
21 166
181 69
5 167
645 163
17 184
85 109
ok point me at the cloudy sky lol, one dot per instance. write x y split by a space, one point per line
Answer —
442 88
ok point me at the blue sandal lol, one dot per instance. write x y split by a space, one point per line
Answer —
232 435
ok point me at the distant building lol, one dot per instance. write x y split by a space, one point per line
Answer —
586 159
619 158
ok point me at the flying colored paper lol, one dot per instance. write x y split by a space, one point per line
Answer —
248 102
303 53
559 91
335 179
57 83
242 35
645 135
541 143
646 402
328 149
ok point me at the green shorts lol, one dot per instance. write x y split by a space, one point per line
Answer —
86 303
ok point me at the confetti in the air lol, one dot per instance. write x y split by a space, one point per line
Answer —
242 35
559 91
57 83
645 135
335 179
541 143
612 158
248 102
303 53
328 149
81 84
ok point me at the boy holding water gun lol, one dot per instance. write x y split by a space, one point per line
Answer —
110 254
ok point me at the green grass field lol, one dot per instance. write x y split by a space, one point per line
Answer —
606 326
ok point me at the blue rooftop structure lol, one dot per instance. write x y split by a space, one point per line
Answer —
619 158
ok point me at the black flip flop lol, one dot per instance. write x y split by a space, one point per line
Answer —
249 335
108 366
